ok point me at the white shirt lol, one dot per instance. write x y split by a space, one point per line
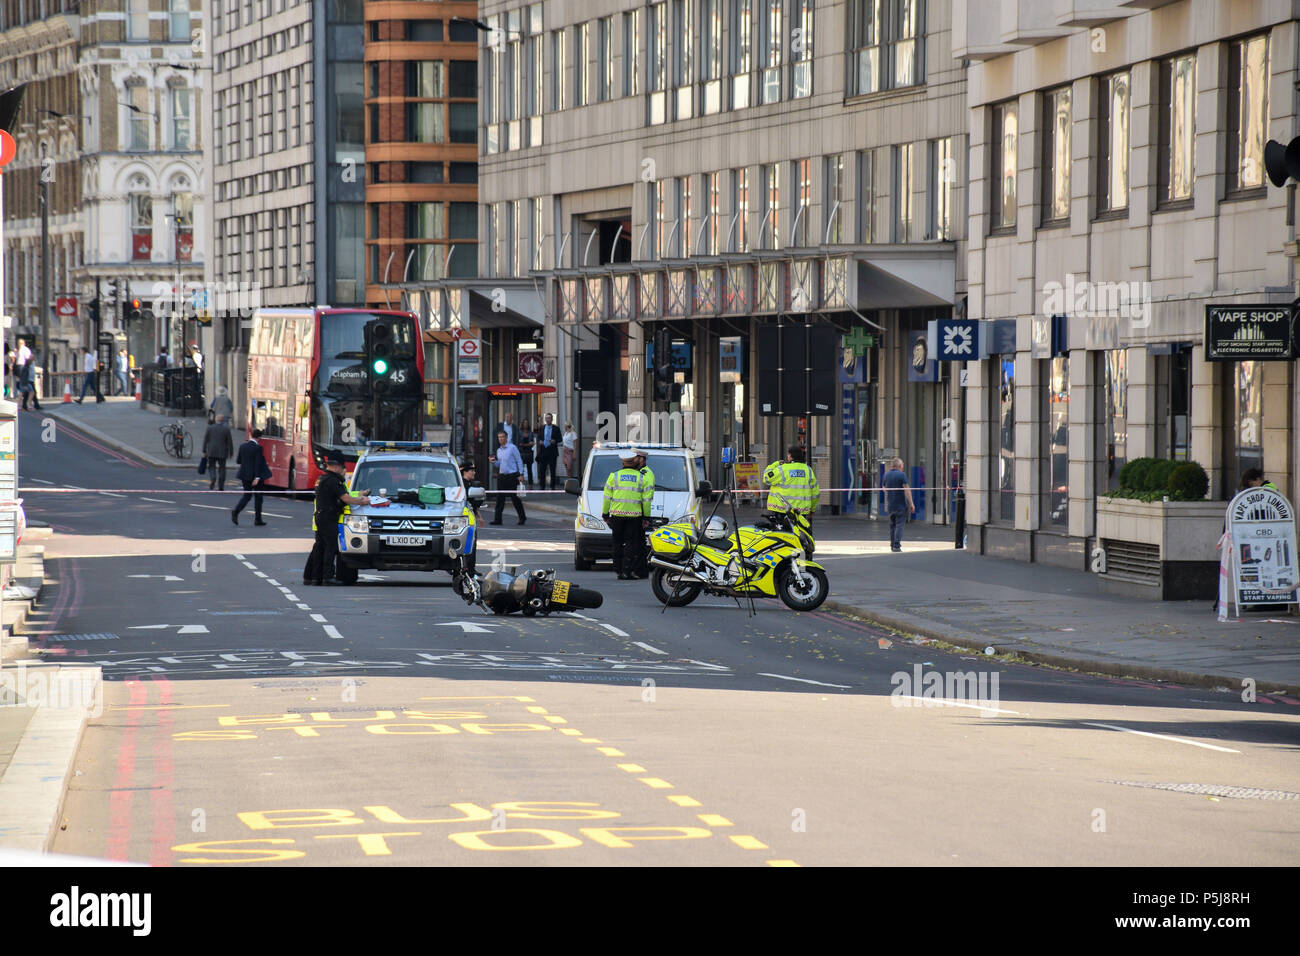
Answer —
570 439
24 355
197 358
88 363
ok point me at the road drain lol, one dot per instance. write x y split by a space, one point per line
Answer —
1213 790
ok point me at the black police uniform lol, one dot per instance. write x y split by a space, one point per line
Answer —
321 564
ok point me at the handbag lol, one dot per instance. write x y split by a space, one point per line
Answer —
203 465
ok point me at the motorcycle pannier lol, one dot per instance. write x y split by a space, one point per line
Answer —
669 543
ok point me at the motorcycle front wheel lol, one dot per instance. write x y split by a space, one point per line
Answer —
807 596
662 582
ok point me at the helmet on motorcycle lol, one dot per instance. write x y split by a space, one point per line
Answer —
717 528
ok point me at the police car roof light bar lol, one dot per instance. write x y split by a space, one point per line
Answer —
406 444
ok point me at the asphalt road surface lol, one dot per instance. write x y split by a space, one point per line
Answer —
249 720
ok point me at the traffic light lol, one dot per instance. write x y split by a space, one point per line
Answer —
663 365
379 354
1282 162
135 309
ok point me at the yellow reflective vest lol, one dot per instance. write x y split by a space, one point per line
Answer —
648 491
792 486
625 495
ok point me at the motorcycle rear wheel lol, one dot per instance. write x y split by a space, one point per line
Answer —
662 582
807 598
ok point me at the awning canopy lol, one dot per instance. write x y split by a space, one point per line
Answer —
509 389
905 276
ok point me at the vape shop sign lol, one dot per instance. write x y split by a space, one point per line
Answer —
1261 532
1245 333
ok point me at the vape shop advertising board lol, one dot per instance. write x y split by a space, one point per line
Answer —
1261 528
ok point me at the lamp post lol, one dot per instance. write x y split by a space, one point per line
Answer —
45 269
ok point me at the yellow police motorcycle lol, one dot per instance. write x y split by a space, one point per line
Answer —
753 562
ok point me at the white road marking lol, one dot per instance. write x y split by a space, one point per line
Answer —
78 487
183 628
250 565
165 577
237 557
470 627
652 650
332 631
112 494
210 507
160 501
804 680
291 597
42 481
260 574
945 702
1177 740
609 627
273 582
272 514
318 618
303 607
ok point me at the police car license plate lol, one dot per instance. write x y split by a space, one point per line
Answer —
406 540
560 592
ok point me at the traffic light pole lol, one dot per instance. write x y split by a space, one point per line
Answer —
46 350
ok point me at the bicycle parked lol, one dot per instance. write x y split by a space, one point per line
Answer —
177 441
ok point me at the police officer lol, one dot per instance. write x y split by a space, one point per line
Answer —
792 485
626 509
331 496
642 568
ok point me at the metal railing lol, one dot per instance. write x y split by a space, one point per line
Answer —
180 388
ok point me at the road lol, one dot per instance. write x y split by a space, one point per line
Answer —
247 719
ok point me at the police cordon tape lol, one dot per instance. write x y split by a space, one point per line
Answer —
490 491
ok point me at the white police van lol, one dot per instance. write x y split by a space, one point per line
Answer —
429 520
679 489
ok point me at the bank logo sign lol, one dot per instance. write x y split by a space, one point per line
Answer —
1244 333
958 340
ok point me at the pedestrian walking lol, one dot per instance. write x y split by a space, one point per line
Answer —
122 372
331 496
548 452
898 502
222 405
508 426
524 442
570 449
90 365
253 474
218 446
27 380
792 485
510 468
625 507
163 359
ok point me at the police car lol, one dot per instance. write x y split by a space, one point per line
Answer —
429 519
679 489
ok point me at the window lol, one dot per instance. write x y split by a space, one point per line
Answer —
1056 155
769 233
802 169
426 220
424 31
632 53
1114 419
866 195
461 173
1056 443
538 234
886 40
1003 168
833 210
137 20
659 200
138 113
713 210
1112 143
462 79
141 221
581 55
742 51
1243 421
686 207
1004 462
183 211
711 54
740 209
178 19
769 54
349 113
605 58
464 122
902 190
657 81
182 104
943 177
1247 112
683 59
1177 138
801 48
424 121
558 66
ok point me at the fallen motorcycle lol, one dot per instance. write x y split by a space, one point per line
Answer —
505 589
752 562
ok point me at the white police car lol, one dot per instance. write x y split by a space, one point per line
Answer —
429 520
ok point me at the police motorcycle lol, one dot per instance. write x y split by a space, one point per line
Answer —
753 562
506 589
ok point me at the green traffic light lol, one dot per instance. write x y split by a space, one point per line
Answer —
380 367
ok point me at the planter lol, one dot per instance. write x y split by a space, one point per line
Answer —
1160 549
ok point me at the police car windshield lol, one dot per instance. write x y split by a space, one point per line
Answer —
670 471
389 476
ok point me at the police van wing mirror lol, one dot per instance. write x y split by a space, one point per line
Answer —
703 490
476 494
571 487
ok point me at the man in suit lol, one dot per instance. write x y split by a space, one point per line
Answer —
508 426
218 446
548 452
253 472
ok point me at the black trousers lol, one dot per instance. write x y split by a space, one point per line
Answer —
508 483
216 473
546 459
324 554
256 499
629 544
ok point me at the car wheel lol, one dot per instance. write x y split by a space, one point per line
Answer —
580 563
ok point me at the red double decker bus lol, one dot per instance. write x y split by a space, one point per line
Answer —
326 379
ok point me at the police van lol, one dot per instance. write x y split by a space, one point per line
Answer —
679 490
428 522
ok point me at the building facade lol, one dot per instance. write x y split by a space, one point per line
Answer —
698 172
1118 189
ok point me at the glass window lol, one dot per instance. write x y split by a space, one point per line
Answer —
713 204
864 46
1115 419
141 226
1004 412
1245 417
886 40
178 18
1177 142
801 48
866 195
657 81
349 243
581 56
425 122
1056 443
426 220
464 122
769 56
558 65
464 220
943 178
659 201
687 210
903 188
1247 112
424 31
632 53
181 107
463 75
461 32
425 79
1056 155
742 51
683 59
428 172
137 20
349 115
740 209
833 206
463 173
1004 135
1112 143
770 233
803 200
605 58
388 476
138 136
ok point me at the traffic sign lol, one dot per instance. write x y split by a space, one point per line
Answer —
469 348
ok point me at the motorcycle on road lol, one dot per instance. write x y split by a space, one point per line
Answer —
751 562
505 589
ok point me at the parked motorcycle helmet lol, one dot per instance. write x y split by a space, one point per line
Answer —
717 528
